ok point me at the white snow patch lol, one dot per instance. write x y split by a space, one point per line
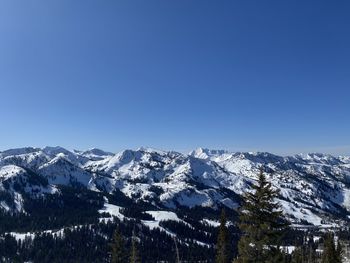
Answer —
113 210
210 222
9 171
346 202
162 216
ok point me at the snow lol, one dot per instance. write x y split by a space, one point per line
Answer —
194 198
59 170
316 239
288 249
189 180
9 171
5 206
94 154
113 210
346 199
18 200
210 222
309 184
19 151
58 232
158 216
201 243
22 236
164 215
300 213
229 203
161 216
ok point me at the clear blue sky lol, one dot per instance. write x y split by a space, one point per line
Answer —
239 75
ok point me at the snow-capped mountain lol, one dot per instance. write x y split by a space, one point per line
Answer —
314 188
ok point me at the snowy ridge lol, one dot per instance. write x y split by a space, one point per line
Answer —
314 188
14 181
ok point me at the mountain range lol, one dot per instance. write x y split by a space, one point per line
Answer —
314 189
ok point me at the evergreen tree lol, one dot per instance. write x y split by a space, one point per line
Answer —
286 256
311 251
118 248
222 247
297 256
312 256
134 254
339 252
261 224
330 253
177 251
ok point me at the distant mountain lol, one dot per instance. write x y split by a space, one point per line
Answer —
314 188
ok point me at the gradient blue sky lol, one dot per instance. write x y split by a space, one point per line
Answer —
239 75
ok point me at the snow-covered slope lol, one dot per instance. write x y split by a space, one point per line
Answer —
16 181
314 188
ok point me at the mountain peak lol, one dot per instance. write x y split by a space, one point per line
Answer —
54 150
205 153
151 150
96 152
19 151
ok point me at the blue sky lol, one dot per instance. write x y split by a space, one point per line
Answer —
238 75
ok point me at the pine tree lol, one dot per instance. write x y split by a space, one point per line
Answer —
311 250
134 254
177 251
339 252
261 224
297 256
330 253
311 257
222 247
286 256
118 248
